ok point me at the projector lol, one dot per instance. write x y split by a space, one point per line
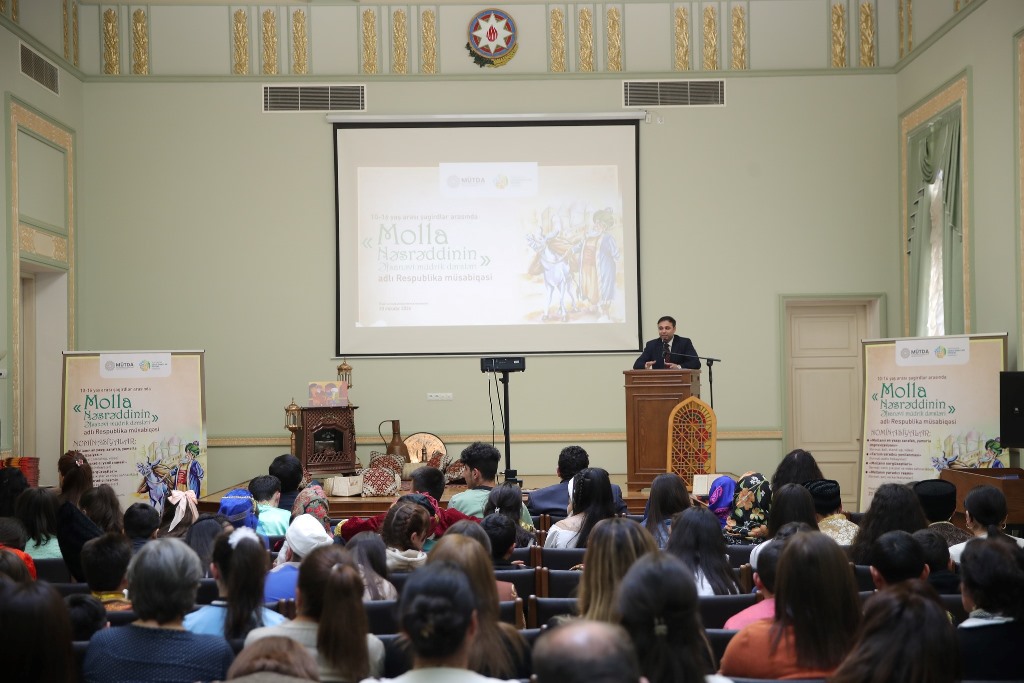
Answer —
503 364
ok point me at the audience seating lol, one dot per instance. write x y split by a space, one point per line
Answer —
862 573
397 655
66 589
78 649
121 618
559 583
954 604
745 578
207 592
382 616
285 607
715 610
398 580
718 638
738 554
525 580
236 644
530 635
53 569
542 610
275 543
560 558
511 612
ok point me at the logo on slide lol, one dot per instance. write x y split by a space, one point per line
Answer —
493 38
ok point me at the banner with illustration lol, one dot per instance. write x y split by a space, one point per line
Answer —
930 404
140 420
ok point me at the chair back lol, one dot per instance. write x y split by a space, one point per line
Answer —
954 604
398 580
511 612
522 555
207 592
561 558
862 573
718 638
121 618
382 616
562 583
66 589
397 654
525 580
53 569
715 610
739 555
542 610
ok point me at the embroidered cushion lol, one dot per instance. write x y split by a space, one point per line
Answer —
380 481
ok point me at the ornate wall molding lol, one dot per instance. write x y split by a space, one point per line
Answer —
369 41
739 39
140 43
269 43
613 29
556 37
428 38
240 41
586 40
681 26
867 34
67 30
111 44
35 242
399 42
839 43
300 44
74 30
709 58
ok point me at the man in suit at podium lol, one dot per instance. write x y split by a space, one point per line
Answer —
553 500
669 350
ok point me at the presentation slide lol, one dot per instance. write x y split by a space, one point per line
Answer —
487 238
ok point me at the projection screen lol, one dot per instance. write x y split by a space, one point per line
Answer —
484 237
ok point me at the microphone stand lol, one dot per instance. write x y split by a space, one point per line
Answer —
711 377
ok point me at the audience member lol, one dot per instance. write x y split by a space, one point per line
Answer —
370 555
697 540
985 510
141 521
240 568
893 508
828 509
284 658
266 491
180 512
37 510
313 501
162 580
73 527
463 551
792 503
406 527
722 499
817 611
752 502
657 602
896 556
288 470
668 498
14 565
591 501
992 573
423 482
429 480
305 534
764 582
100 504
941 576
330 620
36 630
87 615
554 500
796 467
583 651
105 564
498 649
938 502
13 533
12 484
501 532
240 509
904 636
474 531
203 534
480 463
507 499
438 617
615 544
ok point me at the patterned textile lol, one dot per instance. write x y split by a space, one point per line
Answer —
720 498
456 472
394 463
839 528
380 481
313 501
753 500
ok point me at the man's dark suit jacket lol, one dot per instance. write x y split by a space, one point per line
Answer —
680 345
553 500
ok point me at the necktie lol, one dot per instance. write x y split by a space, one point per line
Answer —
668 352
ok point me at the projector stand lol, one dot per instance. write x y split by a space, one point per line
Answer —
510 474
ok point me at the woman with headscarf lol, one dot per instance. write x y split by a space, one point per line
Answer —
748 522
313 501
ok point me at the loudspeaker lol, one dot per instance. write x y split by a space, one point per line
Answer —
1011 409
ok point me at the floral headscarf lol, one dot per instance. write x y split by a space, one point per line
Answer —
749 518
720 497
313 501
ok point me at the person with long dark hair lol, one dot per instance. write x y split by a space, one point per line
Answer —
985 509
100 504
591 501
668 498
992 587
203 534
239 565
330 619
74 528
791 503
615 544
796 467
37 510
894 507
657 604
370 555
817 612
37 633
507 499
904 636
697 541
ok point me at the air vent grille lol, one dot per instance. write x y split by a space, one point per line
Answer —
39 69
314 98
673 93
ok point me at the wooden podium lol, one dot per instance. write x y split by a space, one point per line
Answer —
1009 480
650 397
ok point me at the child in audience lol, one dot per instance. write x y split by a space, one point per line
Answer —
992 573
280 659
697 540
791 503
764 581
507 499
105 564
591 500
796 467
985 510
37 510
370 555
141 521
100 504
501 532
941 576
73 527
896 556
668 498
87 615
894 507
14 565
304 535
405 529
180 512
203 534
240 568
288 470
266 491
